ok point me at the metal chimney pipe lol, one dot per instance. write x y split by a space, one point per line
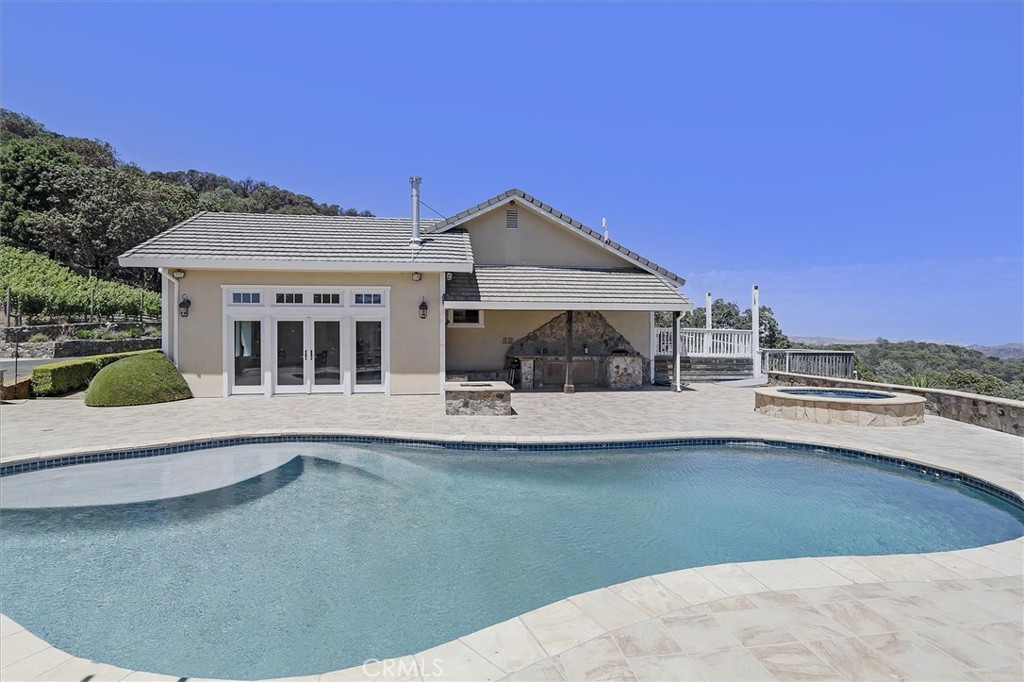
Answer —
416 241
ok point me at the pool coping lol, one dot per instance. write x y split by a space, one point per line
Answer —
920 565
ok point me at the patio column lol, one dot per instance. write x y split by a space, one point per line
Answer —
568 387
676 383
755 331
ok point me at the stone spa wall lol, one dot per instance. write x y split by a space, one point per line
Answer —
999 414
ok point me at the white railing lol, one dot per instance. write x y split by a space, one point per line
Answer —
663 340
710 343
822 363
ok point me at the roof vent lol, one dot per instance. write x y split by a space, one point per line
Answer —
512 218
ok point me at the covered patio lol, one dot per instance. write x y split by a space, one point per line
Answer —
547 327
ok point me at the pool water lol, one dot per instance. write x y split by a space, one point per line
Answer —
836 393
350 552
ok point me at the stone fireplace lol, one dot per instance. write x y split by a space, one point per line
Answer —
601 356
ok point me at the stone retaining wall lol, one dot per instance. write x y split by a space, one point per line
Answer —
999 414
74 348
55 331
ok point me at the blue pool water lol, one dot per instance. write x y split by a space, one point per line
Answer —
349 552
836 393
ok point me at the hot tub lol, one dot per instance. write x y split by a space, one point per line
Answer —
840 406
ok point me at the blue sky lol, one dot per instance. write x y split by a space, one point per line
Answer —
861 163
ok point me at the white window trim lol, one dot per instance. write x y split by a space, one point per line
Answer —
463 325
267 312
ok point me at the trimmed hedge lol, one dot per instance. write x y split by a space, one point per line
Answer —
67 376
145 379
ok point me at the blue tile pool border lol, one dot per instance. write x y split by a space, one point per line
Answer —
137 453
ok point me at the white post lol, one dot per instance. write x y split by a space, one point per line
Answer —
707 310
755 327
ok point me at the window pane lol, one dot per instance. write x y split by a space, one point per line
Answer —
248 353
289 353
327 353
368 353
236 298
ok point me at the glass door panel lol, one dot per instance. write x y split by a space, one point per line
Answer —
369 353
248 355
291 355
327 354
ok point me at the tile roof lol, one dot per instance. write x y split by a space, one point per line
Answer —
275 237
518 194
545 284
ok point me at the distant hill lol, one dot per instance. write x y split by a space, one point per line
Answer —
828 341
1007 351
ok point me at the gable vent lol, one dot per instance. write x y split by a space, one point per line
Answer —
512 218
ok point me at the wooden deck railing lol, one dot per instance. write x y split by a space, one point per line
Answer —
822 363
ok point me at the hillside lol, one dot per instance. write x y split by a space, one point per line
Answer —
74 200
40 287
938 365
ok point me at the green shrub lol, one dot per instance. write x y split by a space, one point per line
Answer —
1013 390
152 332
67 376
38 338
85 334
130 333
145 379
970 381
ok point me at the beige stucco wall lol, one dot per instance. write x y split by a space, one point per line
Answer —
415 346
482 348
537 241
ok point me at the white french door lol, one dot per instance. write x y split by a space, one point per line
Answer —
369 343
308 355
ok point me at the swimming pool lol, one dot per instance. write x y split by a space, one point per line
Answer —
348 552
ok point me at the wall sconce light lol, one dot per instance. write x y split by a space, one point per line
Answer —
423 309
178 274
416 276
184 305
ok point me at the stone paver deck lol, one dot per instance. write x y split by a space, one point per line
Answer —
951 615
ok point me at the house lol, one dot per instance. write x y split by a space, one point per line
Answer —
271 304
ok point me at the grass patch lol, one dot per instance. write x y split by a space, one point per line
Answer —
144 379
67 376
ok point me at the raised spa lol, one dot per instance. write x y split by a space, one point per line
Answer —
355 551
840 405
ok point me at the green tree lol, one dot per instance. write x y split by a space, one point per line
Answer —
727 315
109 211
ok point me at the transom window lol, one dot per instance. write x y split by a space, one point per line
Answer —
466 318
327 299
245 297
289 297
368 299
